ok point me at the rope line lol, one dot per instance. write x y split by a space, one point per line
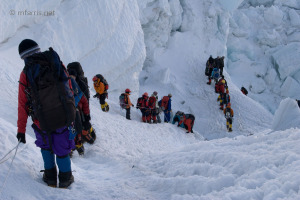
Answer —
1 189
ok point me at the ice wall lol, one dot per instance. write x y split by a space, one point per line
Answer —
105 36
263 50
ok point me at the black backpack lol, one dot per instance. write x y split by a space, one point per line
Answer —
244 90
80 78
139 103
103 80
50 94
77 67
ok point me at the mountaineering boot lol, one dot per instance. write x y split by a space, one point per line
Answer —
80 149
154 121
107 108
93 133
230 130
65 179
87 137
103 107
50 177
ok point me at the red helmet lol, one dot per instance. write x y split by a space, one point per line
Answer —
127 90
145 94
95 78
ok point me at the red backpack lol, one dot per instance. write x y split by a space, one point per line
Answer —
152 102
139 103
164 102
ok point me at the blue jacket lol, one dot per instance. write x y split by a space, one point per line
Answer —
169 105
77 92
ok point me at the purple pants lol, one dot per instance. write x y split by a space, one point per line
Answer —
61 145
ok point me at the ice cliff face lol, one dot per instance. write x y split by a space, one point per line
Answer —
260 40
263 49
105 36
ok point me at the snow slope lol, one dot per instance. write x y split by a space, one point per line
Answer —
133 160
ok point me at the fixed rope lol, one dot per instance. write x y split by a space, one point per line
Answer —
1 189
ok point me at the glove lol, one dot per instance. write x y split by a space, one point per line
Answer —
96 95
132 105
21 137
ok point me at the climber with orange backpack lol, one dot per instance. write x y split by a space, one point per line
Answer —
101 87
125 102
142 104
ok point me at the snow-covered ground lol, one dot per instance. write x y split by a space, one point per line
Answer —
162 45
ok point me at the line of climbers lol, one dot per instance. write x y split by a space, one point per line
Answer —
151 108
214 70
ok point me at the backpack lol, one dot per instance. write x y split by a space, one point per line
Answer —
216 73
190 116
139 102
103 80
244 90
50 90
208 68
80 78
123 101
152 102
164 102
228 113
77 67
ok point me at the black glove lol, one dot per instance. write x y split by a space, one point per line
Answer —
132 105
96 95
21 137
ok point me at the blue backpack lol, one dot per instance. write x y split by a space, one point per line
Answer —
215 73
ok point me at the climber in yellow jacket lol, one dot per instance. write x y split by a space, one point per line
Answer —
101 87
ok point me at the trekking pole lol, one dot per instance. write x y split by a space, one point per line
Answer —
9 167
